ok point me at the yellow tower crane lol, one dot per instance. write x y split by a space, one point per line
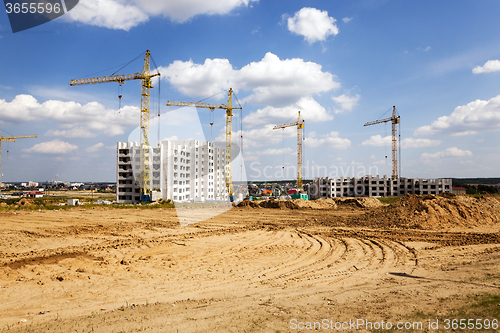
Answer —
229 130
300 126
10 139
146 85
394 120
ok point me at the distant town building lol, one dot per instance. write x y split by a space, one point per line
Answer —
35 194
32 184
370 186
181 171
459 190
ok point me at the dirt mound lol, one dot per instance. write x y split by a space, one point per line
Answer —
248 203
364 202
435 212
291 204
25 202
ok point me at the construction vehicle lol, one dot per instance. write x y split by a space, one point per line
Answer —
11 138
229 130
394 119
146 85
300 126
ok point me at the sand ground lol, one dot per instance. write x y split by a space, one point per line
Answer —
246 270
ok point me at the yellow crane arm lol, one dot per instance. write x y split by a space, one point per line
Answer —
287 125
112 78
385 120
200 105
12 138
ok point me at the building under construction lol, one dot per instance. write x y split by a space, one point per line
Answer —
369 186
182 171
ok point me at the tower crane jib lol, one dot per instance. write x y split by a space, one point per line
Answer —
146 85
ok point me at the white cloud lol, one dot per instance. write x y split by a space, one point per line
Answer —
346 103
450 152
331 140
311 111
77 132
77 120
419 143
126 14
488 67
315 25
108 14
181 11
198 80
467 119
379 141
95 148
52 147
347 19
272 81
259 137
274 151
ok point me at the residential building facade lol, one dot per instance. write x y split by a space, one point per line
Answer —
181 171
374 186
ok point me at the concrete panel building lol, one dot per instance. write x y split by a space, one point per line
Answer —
370 186
181 171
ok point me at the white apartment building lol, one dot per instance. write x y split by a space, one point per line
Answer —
370 186
181 171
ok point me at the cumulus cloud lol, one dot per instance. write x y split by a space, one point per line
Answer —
315 25
76 132
274 151
198 80
450 152
273 81
331 140
419 143
95 148
311 111
346 103
284 86
76 120
259 137
126 14
108 14
467 119
347 19
52 147
488 67
379 141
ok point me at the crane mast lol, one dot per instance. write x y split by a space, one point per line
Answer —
146 85
300 126
10 139
229 130
394 120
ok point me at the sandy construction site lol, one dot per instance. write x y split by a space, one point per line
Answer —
274 267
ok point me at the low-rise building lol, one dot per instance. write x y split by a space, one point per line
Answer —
374 186
459 190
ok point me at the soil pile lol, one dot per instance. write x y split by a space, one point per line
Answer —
291 204
367 202
435 212
248 203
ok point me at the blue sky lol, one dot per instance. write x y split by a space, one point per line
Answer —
342 63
